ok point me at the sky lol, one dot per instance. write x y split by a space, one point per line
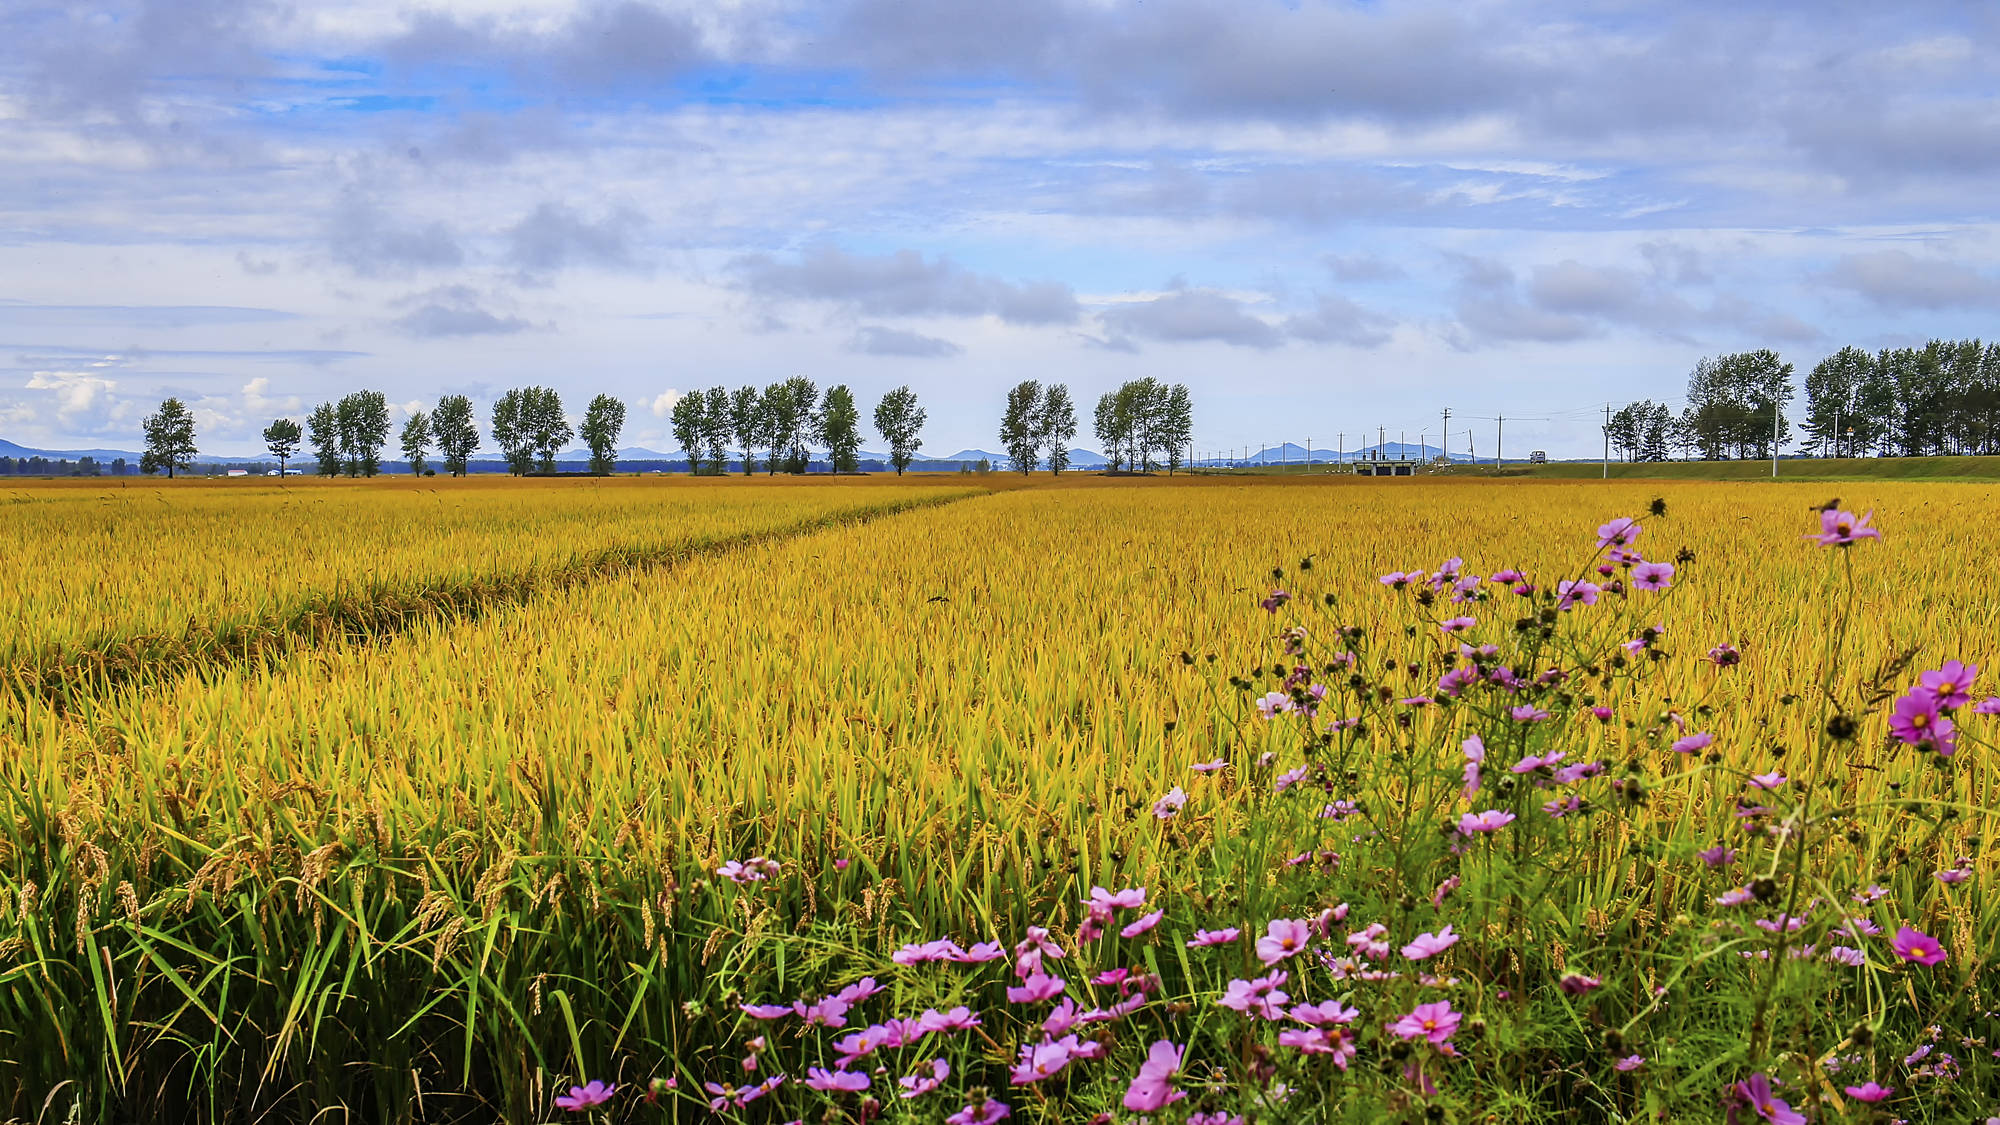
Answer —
1324 217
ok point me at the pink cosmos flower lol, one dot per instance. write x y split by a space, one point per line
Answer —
1169 805
1274 703
1768 781
1618 532
1397 579
982 1113
1036 988
1203 938
1459 624
1569 593
982 952
1277 599
1870 1093
919 953
1141 925
1563 806
957 1019
1492 820
1533 762
918 1084
1652 576
1061 1018
1629 1063
1260 996
827 1081
1283 938
1430 945
1694 743
1718 856
1290 778
1210 767
1767 1105
1917 721
1577 984
766 1011
1435 1022
1842 529
1153 1089
1324 1013
1918 946
1987 706
591 1094
753 870
1951 685
1527 714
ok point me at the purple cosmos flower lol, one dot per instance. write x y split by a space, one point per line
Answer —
1430 945
1987 706
982 952
827 1081
1210 767
1577 984
1324 1014
957 1019
1435 1022
1459 624
1397 579
766 1011
1277 599
1870 1093
1736 897
1492 820
983 1113
1153 1089
1563 806
1842 529
1259 996
1275 703
590 1094
919 953
1569 593
1951 685
1917 721
1527 714
1453 683
1652 576
1767 1105
918 1084
1061 1018
1694 743
1918 946
1169 805
1533 762
1629 1063
754 870
1847 955
1618 532
1718 856
1768 781
1283 938
1503 577
1035 988
1141 925
1204 938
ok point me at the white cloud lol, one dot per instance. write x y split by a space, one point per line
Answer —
663 403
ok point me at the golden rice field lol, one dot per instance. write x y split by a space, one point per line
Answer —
438 873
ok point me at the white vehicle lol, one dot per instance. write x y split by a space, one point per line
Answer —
1538 457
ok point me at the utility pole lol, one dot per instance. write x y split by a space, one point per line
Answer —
1402 444
1470 453
1342 455
1381 442
1499 428
1309 453
1444 435
1423 444
1607 443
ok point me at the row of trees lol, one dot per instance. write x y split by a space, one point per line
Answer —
1038 424
1145 417
784 419
1939 399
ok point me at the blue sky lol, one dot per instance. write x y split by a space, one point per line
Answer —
1322 217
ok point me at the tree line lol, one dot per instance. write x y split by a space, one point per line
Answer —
531 429
783 419
1940 399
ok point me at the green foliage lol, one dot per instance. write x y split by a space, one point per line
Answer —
282 439
1055 426
416 440
900 421
1020 432
530 428
602 423
169 439
840 429
1142 418
323 430
361 420
456 432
